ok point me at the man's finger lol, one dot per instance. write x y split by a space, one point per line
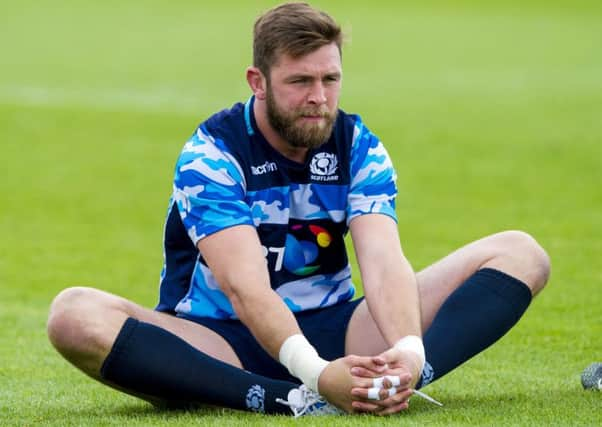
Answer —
390 356
375 364
379 407
359 406
376 393
392 409
371 395
368 374
367 379
381 397
397 398
388 381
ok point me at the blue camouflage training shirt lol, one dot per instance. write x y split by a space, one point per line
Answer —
228 174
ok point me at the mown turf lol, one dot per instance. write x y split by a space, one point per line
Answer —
491 114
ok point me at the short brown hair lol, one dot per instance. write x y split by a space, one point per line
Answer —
292 28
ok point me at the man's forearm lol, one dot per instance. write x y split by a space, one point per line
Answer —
389 282
243 277
267 317
393 301
276 329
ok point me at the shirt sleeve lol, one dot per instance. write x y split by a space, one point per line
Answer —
209 187
373 178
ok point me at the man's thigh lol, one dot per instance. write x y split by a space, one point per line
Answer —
200 337
512 252
84 323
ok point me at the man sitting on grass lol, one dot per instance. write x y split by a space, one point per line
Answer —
256 307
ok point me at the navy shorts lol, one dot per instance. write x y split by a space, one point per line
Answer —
324 328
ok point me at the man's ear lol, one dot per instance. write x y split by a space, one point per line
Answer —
257 82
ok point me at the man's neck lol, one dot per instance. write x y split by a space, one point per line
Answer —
296 154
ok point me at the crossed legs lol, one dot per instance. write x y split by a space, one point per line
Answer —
84 323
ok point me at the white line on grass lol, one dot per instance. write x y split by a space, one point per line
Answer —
158 100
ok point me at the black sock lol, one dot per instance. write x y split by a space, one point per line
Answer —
472 318
151 361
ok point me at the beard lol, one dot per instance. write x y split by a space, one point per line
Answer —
305 135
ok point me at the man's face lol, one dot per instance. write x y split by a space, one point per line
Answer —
302 96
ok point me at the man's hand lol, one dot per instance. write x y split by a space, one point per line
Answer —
401 371
336 382
345 383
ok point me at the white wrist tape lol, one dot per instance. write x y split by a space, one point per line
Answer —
302 360
413 344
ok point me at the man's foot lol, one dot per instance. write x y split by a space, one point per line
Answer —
304 401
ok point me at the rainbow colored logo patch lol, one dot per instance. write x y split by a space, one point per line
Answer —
299 255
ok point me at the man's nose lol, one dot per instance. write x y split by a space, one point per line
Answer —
317 94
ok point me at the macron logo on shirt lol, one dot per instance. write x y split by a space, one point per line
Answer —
265 168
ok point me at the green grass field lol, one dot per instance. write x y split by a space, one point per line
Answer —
490 112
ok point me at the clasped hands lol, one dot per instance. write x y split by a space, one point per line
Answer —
379 385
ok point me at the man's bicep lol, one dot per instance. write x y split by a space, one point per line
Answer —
204 214
209 188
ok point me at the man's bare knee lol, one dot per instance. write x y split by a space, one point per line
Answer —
528 260
82 326
69 310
